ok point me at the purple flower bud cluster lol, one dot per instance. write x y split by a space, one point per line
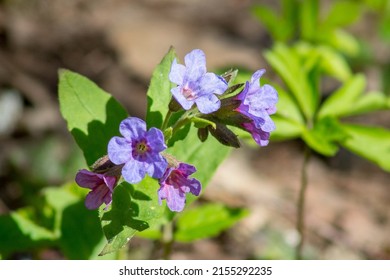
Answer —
139 152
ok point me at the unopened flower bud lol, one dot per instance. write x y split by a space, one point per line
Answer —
224 135
203 133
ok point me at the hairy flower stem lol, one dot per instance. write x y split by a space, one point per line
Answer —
167 240
300 225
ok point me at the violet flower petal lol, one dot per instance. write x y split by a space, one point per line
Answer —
195 62
132 128
178 95
119 150
208 103
174 197
176 75
88 179
133 171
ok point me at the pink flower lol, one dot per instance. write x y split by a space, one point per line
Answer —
175 184
101 185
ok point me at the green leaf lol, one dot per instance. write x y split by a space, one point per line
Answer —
309 19
202 123
384 31
325 136
334 64
281 31
20 233
369 102
206 221
205 156
372 143
134 209
71 227
341 40
81 232
342 13
92 115
159 95
81 236
285 129
287 106
342 100
288 64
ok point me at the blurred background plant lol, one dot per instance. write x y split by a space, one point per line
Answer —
309 46
332 68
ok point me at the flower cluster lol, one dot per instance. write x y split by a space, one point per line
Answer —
204 97
257 103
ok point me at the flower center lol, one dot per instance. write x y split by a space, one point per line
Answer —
142 147
188 93
140 150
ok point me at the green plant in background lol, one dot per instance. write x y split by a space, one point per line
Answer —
309 46
301 20
303 111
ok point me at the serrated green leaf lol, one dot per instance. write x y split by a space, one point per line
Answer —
134 208
342 100
372 143
92 115
159 95
207 221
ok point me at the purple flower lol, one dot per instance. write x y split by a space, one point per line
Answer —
257 103
195 85
261 137
139 150
101 187
175 184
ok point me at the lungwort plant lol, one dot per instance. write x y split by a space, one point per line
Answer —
141 174
137 167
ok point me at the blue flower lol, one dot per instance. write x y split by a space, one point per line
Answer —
257 103
195 85
139 150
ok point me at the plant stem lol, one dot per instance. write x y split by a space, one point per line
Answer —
184 119
300 226
167 240
166 120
